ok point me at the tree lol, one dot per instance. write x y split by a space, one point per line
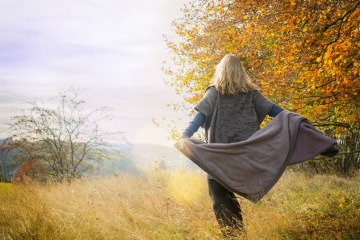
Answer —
3 177
62 140
303 54
31 170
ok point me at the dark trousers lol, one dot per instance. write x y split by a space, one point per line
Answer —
226 207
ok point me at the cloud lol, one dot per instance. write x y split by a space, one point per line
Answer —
114 49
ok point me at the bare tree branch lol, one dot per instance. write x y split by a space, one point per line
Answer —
63 140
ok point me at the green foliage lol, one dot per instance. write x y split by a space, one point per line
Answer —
2 174
7 170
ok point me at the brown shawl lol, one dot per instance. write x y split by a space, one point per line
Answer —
252 167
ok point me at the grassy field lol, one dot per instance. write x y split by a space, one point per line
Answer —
175 205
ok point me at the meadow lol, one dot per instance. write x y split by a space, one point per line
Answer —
175 205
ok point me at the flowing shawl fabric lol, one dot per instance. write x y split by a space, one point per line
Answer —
251 168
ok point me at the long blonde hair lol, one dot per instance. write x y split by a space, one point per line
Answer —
230 76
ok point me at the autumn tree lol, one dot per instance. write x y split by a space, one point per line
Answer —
31 170
303 54
59 138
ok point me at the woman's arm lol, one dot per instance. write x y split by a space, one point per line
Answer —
275 110
194 125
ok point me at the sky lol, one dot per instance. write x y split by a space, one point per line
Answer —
111 49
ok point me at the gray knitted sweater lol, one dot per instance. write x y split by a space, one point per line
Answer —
232 118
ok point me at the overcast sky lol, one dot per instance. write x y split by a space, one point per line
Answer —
113 49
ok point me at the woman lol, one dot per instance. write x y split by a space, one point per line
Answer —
231 110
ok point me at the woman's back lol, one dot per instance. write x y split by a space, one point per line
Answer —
232 118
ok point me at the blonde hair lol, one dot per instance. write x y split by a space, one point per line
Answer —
230 76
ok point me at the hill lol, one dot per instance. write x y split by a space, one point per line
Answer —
5 164
151 156
137 158
133 158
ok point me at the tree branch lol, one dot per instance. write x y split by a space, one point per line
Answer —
347 13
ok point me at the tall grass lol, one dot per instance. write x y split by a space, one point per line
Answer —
175 205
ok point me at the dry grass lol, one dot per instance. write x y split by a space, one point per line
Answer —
176 206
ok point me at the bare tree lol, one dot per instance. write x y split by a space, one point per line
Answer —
65 138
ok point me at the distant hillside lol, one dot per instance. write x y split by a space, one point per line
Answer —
134 158
145 156
5 163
